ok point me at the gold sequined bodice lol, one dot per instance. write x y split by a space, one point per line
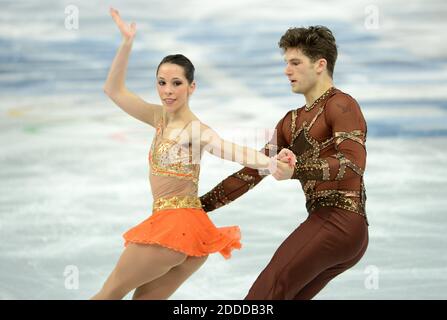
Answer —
172 169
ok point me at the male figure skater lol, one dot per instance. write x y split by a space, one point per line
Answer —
327 135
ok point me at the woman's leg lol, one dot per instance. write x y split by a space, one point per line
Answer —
165 286
138 264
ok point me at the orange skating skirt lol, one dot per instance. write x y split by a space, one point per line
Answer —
188 230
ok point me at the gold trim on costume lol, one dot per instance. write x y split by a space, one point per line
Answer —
310 168
293 126
356 135
177 202
170 158
250 180
336 198
344 162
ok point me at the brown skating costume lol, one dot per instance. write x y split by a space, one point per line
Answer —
328 139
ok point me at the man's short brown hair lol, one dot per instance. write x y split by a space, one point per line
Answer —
315 42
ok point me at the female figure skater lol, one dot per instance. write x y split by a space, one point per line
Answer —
164 250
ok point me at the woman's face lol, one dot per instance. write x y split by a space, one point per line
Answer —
173 87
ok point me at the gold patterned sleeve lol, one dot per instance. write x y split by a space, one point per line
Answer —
344 117
245 179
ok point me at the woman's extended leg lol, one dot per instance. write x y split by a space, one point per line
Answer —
165 286
138 264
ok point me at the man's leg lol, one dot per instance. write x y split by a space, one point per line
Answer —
317 284
328 237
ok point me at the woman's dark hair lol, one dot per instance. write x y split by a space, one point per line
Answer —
315 42
182 61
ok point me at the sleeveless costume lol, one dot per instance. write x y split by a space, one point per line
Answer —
178 221
329 143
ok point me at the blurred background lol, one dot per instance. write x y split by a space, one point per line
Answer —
74 172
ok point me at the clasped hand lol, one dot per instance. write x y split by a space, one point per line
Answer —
283 165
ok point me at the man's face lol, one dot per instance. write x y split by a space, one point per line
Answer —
300 70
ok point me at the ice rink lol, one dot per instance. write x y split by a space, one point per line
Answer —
74 172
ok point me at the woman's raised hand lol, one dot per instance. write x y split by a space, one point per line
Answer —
128 31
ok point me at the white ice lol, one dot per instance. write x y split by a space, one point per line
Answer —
74 166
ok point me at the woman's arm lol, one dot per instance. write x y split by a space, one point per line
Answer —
115 86
248 157
240 182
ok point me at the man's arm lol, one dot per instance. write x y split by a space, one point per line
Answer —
344 116
245 179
